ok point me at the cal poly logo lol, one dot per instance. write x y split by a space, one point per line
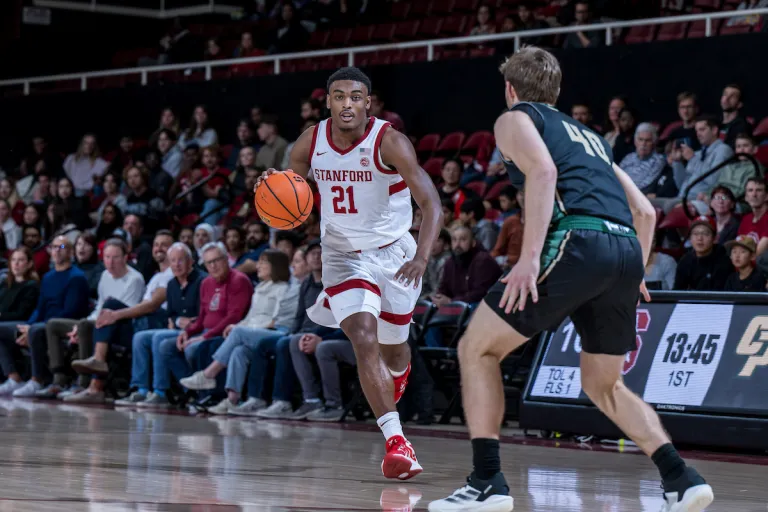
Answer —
642 322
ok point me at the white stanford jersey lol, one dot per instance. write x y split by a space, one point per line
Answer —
364 204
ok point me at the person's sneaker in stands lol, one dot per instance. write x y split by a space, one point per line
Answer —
250 407
28 390
306 409
131 400
9 386
90 365
50 392
87 397
155 401
223 407
198 381
279 410
400 460
689 493
327 414
71 390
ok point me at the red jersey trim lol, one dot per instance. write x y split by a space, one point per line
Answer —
376 154
397 187
329 136
314 143
393 318
352 284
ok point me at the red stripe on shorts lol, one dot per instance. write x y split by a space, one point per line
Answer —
393 318
352 284
397 187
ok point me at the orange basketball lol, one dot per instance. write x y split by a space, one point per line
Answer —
283 200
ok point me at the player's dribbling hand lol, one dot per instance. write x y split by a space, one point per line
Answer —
520 281
263 176
411 271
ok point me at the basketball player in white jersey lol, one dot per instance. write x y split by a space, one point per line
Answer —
366 172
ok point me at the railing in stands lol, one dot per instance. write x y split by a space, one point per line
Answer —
277 60
157 9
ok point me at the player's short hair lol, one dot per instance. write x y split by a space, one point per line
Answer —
687 95
535 75
711 121
474 206
350 73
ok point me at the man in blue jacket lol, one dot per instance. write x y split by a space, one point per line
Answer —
63 294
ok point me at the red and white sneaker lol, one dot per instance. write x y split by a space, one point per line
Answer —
401 383
400 461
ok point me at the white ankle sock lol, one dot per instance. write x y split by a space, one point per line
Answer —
397 374
390 425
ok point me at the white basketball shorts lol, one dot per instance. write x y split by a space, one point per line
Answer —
356 282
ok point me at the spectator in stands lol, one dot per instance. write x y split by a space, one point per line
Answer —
510 240
688 110
171 155
202 237
257 241
706 266
19 293
140 256
290 36
287 242
748 20
225 296
660 270
234 240
484 22
120 287
378 111
723 203
755 223
87 260
41 159
141 200
312 109
8 193
746 278
11 230
272 152
612 127
508 204
111 219
256 114
245 47
168 121
43 190
625 142
449 210
299 267
112 196
187 237
583 114
268 319
77 207
469 274
213 50
199 131
713 152
58 222
528 21
242 209
246 161
183 304
86 165
125 154
732 101
450 188
159 180
246 132
647 168
484 231
32 239
308 123
63 294
735 175
441 252
506 47
581 39
32 217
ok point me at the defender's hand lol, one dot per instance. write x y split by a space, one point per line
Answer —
520 281
412 271
264 176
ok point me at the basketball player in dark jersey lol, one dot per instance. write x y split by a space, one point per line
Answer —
588 233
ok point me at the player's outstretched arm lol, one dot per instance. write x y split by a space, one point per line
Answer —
643 212
519 141
397 152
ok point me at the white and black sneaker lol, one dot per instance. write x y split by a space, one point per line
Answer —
478 496
689 493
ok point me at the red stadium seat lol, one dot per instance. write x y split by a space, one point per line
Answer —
466 6
406 30
451 53
319 39
226 151
761 130
476 142
669 129
737 29
762 155
400 10
339 38
671 31
453 25
420 9
427 145
699 28
495 190
442 8
383 32
361 35
478 187
433 166
451 144
641 34
430 28
706 5
481 52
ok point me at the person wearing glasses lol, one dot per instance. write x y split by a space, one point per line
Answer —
225 297
63 294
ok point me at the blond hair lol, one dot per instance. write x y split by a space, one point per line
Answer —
534 74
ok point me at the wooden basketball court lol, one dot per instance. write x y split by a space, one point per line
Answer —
62 458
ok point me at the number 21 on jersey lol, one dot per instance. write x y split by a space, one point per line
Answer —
591 142
343 199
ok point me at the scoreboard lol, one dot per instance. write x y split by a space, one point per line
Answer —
692 360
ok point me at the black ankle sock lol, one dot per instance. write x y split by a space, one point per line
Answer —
485 457
670 464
